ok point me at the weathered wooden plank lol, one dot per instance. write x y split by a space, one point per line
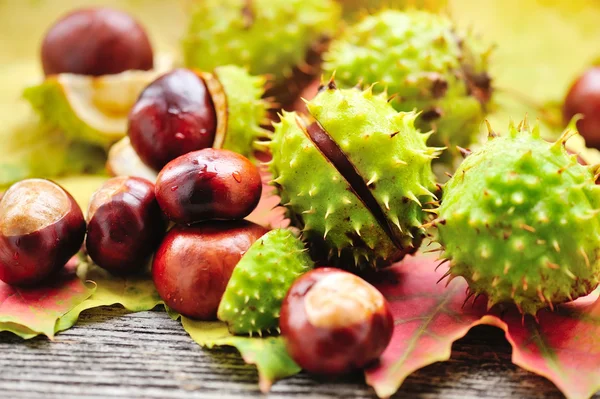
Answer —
112 354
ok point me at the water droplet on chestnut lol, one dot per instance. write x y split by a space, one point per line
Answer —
193 264
334 322
174 115
125 225
96 41
584 98
41 228
211 184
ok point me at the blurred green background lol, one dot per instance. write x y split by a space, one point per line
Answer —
541 47
542 44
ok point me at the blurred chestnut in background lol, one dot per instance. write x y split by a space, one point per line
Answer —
193 265
41 228
96 41
173 116
584 98
334 322
125 225
208 184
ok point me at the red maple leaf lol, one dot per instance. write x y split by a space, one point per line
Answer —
428 317
564 346
33 311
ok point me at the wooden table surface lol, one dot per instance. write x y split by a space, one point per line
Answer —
113 354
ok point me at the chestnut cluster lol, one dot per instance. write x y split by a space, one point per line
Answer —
127 215
333 322
174 115
207 193
41 225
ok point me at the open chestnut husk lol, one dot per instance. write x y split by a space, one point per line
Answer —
96 41
125 225
334 322
174 115
193 264
208 184
41 228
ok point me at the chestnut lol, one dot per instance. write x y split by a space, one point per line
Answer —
193 264
334 322
208 184
125 225
41 228
174 115
584 98
96 41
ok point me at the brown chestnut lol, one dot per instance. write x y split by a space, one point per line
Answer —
334 322
125 225
193 264
174 115
96 41
41 228
208 184
584 98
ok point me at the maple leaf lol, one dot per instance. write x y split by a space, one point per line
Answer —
268 354
563 347
428 318
29 312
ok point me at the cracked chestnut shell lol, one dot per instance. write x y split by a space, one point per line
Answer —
334 322
96 41
41 228
208 184
174 115
125 225
193 264
584 98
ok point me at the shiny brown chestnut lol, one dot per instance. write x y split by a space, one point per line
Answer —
208 184
584 98
125 225
193 265
41 228
96 41
334 322
174 115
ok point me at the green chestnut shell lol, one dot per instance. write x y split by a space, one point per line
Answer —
425 63
253 297
519 221
368 212
243 111
266 36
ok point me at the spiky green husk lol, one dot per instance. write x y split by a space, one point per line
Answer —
74 104
386 150
253 297
266 36
246 110
422 60
519 221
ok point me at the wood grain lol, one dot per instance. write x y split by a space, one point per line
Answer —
112 354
